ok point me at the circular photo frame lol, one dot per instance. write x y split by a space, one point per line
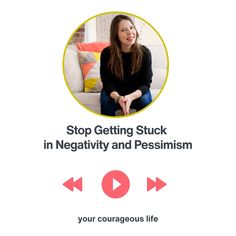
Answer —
115 64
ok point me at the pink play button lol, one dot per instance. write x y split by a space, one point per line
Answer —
115 184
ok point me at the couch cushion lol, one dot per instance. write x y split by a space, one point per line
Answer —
72 71
89 100
90 65
92 47
159 77
154 93
159 65
159 56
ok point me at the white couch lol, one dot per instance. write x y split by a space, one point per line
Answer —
91 101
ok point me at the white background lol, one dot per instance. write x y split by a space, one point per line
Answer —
197 104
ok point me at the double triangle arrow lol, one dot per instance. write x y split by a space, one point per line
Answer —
158 184
70 184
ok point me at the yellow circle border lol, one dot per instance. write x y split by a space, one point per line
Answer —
116 12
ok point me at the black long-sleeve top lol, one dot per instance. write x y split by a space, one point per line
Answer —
131 82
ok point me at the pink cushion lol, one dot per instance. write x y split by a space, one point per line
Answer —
92 47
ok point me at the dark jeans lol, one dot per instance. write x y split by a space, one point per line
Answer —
109 107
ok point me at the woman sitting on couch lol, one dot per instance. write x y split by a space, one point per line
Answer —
126 70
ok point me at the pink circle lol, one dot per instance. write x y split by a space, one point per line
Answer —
115 184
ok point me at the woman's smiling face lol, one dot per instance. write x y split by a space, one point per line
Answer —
126 35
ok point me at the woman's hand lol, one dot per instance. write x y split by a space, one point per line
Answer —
122 102
127 100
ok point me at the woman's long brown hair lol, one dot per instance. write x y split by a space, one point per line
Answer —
116 64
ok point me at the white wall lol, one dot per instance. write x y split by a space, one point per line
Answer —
147 35
90 31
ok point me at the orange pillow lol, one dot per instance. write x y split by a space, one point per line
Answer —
92 47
